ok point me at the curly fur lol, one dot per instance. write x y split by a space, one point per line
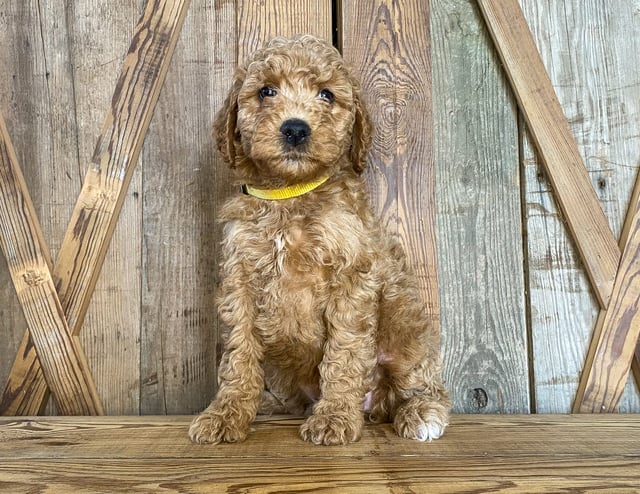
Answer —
321 308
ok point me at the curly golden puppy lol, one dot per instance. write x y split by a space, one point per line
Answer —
320 305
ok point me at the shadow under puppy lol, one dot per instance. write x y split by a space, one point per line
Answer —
320 305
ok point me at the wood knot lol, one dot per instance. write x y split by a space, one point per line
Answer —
479 398
33 278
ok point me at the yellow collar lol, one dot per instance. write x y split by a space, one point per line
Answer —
285 192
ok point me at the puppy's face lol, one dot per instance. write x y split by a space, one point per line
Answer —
293 110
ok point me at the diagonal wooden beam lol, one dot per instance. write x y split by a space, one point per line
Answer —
63 362
614 276
96 212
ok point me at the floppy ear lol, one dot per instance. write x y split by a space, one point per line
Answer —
361 137
225 125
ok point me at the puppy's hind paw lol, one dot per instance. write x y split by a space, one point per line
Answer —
212 428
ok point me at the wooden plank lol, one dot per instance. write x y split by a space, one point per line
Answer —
478 453
388 43
484 333
469 436
363 476
624 238
22 242
106 182
555 143
258 22
184 184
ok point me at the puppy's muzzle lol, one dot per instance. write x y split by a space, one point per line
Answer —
295 132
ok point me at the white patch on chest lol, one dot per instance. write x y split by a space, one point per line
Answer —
280 244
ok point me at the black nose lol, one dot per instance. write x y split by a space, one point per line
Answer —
295 131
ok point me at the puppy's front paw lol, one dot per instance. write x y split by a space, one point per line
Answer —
420 421
216 425
331 429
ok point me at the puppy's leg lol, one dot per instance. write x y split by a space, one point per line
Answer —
423 411
240 378
346 368
411 392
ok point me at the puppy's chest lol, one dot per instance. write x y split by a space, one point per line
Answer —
290 280
290 256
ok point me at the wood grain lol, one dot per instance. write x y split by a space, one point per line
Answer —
106 182
60 62
605 376
21 239
617 329
257 22
555 143
477 453
611 351
480 259
388 44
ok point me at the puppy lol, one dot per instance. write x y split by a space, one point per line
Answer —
321 308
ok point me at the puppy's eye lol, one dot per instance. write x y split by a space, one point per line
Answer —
326 95
266 92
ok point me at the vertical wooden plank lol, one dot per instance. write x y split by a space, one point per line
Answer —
184 183
37 97
479 224
257 22
388 44
591 50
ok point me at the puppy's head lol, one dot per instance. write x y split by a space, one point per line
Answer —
294 113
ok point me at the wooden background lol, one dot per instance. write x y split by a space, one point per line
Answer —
516 310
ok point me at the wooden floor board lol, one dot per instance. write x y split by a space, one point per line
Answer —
479 453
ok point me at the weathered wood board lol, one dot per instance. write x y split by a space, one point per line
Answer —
504 454
480 259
